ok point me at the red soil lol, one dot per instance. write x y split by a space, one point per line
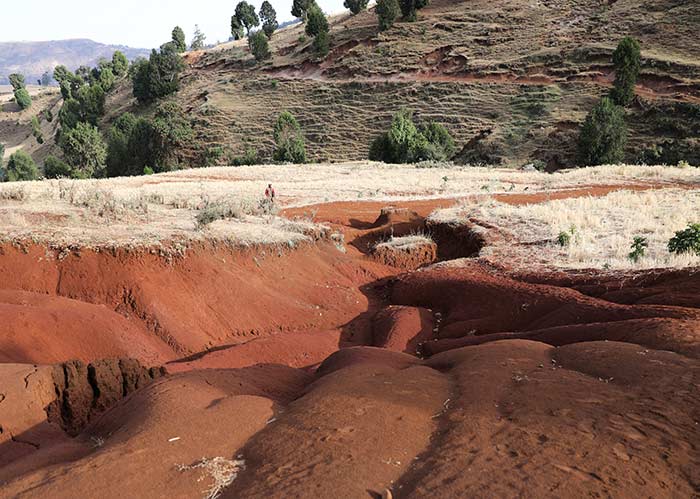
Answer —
603 402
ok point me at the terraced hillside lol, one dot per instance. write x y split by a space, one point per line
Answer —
517 77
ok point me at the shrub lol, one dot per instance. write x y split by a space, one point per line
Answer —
321 44
84 149
356 6
21 166
289 140
36 130
22 98
56 168
259 46
406 143
387 11
638 247
603 135
147 170
249 158
268 17
686 240
564 239
119 157
627 61
16 80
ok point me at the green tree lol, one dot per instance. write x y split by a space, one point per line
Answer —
70 114
442 143
627 60
178 36
316 21
236 28
21 166
246 16
17 81
407 143
120 64
409 8
299 8
356 6
70 83
91 99
106 79
119 157
289 140
84 149
157 77
259 46
387 11
268 17
22 98
56 168
197 39
321 44
171 131
603 135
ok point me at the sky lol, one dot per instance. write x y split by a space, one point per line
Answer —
136 23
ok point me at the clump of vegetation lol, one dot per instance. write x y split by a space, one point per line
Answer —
603 135
686 240
36 130
407 143
638 248
289 140
300 8
565 238
56 168
268 18
84 149
178 38
158 76
259 46
249 158
409 8
135 143
317 26
21 166
22 98
356 6
627 61
387 11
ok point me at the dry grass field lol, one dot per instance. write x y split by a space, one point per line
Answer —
173 209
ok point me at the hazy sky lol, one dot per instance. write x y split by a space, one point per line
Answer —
137 23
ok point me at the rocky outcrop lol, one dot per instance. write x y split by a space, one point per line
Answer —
84 391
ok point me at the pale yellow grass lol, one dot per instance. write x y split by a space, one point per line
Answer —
406 242
601 228
154 209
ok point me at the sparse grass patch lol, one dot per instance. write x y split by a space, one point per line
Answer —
220 470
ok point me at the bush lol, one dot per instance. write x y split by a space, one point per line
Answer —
289 140
56 168
22 98
147 170
119 156
356 6
603 135
686 240
21 166
120 64
627 61
249 158
259 46
564 239
84 149
387 11
321 44
638 247
36 130
406 143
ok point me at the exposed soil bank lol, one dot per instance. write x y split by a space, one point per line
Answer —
139 304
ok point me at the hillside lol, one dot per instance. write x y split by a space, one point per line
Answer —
522 75
34 58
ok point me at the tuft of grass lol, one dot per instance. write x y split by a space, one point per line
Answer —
220 470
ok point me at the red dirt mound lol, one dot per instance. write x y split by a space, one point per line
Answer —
402 329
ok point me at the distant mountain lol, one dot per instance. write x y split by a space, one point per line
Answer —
34 58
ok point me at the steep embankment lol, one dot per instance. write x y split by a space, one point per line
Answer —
515 77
